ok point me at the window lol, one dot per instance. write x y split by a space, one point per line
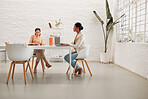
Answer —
134 25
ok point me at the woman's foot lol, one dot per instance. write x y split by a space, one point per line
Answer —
48 65
79 71
76 70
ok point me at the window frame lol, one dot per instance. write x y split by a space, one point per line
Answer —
136 18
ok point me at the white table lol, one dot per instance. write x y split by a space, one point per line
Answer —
3 50
50 47
2 46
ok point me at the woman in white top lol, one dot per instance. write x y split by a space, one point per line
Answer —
78 44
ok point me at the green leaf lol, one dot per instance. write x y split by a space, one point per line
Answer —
111 26
120 17
109 23
98 17
109 16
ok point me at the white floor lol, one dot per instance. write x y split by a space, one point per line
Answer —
109 81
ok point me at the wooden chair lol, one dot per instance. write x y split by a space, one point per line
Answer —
83 54
19 54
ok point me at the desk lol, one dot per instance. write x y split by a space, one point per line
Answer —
50 47
2 49
2 46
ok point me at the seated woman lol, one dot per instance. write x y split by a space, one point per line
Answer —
78 44
38 40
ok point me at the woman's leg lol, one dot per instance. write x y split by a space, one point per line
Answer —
35 67
44 58
46 62
38 54
73 56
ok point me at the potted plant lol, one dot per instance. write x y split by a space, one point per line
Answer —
58 23
104 57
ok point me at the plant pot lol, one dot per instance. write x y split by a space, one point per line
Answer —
104 57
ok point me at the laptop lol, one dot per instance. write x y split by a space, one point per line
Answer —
57 41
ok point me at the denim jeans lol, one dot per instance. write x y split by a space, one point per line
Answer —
73 56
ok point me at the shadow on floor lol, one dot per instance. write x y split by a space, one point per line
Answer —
43 78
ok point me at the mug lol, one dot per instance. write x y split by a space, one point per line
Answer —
50 40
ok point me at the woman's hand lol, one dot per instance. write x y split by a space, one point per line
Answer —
36 43
65 44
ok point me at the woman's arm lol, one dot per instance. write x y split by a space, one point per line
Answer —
31 40
65 44
77 45
41 41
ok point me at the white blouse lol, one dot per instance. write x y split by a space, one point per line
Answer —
79 43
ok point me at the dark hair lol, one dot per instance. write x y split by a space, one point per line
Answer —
37 29
79 25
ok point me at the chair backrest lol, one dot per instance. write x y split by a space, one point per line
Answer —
18 52
84 53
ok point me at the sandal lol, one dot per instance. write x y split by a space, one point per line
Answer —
76 70
80 72
48 66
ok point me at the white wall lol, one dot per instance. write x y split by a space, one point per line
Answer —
19 18
132 56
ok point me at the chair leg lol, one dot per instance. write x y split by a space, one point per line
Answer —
68 70
26 68
13 71
30 69
88 67
74 69
27 65
9 73
24 72
32 61
83 67
43 67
